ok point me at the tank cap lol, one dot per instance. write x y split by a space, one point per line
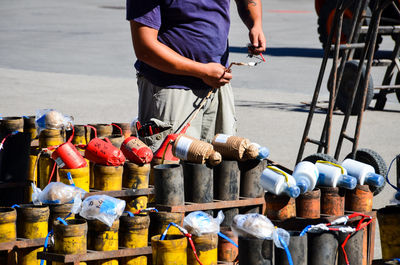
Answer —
347 182
375 180
293 191
303 186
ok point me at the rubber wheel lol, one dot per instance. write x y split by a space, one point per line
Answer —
372 158
397 91
318 4
320 156
325 23
347 85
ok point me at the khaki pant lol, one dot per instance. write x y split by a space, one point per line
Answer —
175 106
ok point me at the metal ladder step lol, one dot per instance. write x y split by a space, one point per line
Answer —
383 30
349 46
381 62
387 87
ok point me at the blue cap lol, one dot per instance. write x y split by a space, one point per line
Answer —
303 185
347 182
293 191
397 196
263 153
375 180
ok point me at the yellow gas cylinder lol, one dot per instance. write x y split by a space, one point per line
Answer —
45 168
30 126
107 177
32 171
101 237
59 210
8 232
80 176
81 135
136 177
50 137
160 221
170 251
206 248
8 227
389 228
31 223
133 233
71 238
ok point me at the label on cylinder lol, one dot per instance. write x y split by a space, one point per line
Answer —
182 147
60 162
222 138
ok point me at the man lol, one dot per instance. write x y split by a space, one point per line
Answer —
182 51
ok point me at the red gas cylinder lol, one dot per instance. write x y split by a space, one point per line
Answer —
136 151
67 156
104 153
165 150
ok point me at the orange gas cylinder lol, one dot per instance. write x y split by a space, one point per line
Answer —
104 153
165 150
136 151
67 156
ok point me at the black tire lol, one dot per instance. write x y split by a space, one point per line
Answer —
346 87
372 158
320 156
397 91
327 10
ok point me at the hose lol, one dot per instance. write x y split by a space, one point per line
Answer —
285 247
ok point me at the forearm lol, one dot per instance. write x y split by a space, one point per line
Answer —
250 11
161 57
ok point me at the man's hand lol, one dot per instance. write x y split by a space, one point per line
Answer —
216 75
257 40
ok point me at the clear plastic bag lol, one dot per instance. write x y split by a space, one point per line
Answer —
199 223
52 119
103 208
255 225
56 193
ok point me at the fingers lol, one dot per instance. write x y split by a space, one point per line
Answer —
258 41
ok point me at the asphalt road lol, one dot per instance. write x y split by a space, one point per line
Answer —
76 56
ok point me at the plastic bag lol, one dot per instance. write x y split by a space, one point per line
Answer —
199 223
103 208
57 193
52 119
255 225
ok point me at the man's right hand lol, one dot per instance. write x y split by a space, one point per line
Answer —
216 75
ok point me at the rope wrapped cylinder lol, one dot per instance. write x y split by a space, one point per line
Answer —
234 147
193 150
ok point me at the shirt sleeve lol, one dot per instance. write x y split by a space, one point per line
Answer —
146 12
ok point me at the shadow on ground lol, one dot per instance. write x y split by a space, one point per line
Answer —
285 51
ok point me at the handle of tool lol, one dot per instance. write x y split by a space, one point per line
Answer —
203 101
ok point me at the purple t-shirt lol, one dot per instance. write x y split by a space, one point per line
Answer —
196 29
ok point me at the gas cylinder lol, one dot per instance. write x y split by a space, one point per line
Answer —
136 151
67 156
306 174
104 153
278 182
165 150
332 175
364 173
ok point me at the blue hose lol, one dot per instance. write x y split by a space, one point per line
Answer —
305 230
387 175
228 239
289 257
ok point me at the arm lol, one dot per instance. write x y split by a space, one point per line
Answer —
154 53
250 11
